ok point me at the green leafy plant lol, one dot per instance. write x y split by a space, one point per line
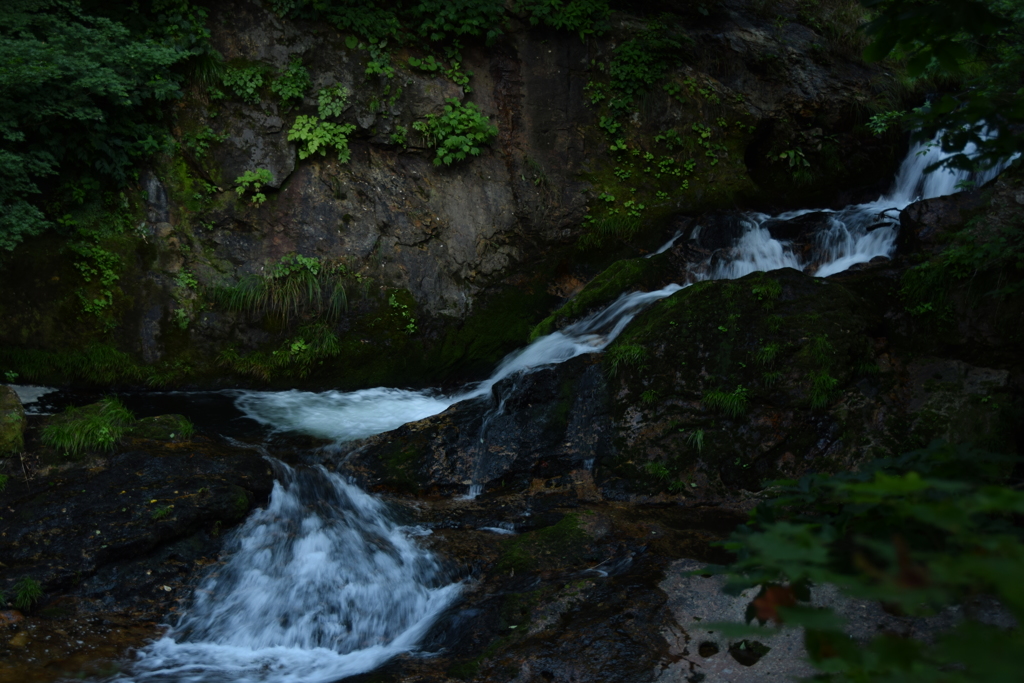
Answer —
96 427
920 532
400 136
458 133
316 136
252 182
161 512
293 83
767 354
3 487
245 82
333 101
27 592
732 403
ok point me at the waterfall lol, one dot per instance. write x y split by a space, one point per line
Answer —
320 585
853 235
324 584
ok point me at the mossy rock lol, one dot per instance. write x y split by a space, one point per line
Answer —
621 277
560 545
162 428
714 384
12 422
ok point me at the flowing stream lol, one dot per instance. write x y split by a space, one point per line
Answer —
324 583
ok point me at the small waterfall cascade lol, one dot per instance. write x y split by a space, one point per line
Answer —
849 236
320 585
324 584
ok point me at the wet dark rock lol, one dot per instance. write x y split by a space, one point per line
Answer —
800 229
107 531
924 224
542 425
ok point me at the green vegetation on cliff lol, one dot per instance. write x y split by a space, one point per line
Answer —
83 84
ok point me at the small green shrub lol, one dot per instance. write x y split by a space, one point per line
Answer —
293 83
316 136
27 592
253 182
161 512
732 403
96 427
3 484
458 133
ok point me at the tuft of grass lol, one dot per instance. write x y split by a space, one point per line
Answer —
767 354
649 397
626 354
732 403
821 350
657 470
27 592
3 486
96 427
771 378
696 439
823 388
161 512
295 287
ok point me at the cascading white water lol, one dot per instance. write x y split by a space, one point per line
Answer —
344 416
855 234
320 585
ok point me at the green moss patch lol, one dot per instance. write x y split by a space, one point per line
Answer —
562 544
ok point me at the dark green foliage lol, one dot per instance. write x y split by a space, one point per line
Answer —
922 531
975 44
459 132
96 364
445 19
96 427
584 17
80 94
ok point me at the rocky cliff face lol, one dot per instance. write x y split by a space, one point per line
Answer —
444 241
